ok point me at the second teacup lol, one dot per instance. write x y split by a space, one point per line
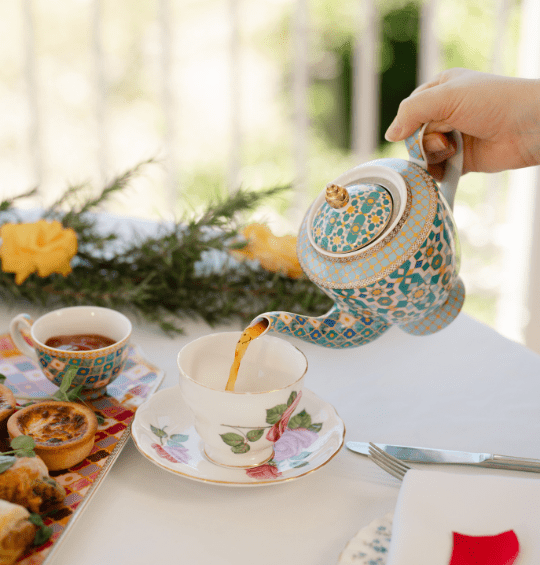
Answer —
96 368
239 428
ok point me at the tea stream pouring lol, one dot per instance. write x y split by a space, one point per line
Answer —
382 243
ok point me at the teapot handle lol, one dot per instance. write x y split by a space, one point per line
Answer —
454 165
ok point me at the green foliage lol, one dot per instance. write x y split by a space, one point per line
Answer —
43 533
22 446
65 393
164 277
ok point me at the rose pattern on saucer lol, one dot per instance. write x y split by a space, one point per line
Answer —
173 450
296 435
164 432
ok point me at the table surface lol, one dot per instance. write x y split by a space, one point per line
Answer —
464 388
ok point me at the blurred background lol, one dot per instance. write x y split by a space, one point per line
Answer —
255 93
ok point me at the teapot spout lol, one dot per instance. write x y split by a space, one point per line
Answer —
335 329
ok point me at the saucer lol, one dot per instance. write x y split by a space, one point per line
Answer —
163 431
370 545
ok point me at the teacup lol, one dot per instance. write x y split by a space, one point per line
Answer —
239 428
96 368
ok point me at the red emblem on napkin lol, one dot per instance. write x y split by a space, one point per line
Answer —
501 549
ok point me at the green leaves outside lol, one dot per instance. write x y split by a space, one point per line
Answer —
157 276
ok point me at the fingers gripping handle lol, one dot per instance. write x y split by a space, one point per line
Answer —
20 322
454 165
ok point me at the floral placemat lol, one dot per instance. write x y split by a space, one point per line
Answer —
138 381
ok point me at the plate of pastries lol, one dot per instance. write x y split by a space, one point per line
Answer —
54 453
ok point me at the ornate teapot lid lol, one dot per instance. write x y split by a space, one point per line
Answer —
404 199
351 218
411 197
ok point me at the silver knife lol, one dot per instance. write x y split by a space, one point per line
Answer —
447 457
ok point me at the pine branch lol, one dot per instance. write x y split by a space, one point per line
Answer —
169 276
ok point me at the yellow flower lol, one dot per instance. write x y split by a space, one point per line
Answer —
45 247
275 254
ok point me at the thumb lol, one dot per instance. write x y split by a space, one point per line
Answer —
419 108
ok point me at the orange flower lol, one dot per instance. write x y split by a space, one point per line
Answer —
45 247
275 254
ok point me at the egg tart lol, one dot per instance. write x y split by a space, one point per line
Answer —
7 407
63 431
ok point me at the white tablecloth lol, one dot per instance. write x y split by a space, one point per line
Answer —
464 388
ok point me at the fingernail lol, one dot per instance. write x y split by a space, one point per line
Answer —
435 145
392 133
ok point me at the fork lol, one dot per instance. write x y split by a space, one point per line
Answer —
388 462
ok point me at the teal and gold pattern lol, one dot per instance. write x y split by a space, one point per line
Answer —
408 276
414 149
420 284
440 317
337 329
356 224
394 248
96 368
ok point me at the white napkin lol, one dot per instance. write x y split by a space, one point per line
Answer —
433 504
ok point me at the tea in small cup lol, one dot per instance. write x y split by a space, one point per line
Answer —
239 428
95 340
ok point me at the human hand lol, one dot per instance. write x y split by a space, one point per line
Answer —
498 116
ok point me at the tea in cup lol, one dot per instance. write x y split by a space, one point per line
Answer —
239 428
95 340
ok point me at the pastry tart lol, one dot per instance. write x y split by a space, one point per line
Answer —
7 407
27 482
63 431
16 531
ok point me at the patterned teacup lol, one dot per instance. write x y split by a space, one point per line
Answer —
239 428
96 368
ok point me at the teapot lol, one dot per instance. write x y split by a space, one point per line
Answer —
382 243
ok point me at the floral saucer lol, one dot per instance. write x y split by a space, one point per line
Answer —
163 430
370 545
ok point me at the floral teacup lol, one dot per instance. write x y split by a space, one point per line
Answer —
239 428
96 368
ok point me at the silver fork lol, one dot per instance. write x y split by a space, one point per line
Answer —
387 462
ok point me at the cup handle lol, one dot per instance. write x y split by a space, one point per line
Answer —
454 165
19 322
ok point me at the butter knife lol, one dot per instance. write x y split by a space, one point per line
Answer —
447 457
